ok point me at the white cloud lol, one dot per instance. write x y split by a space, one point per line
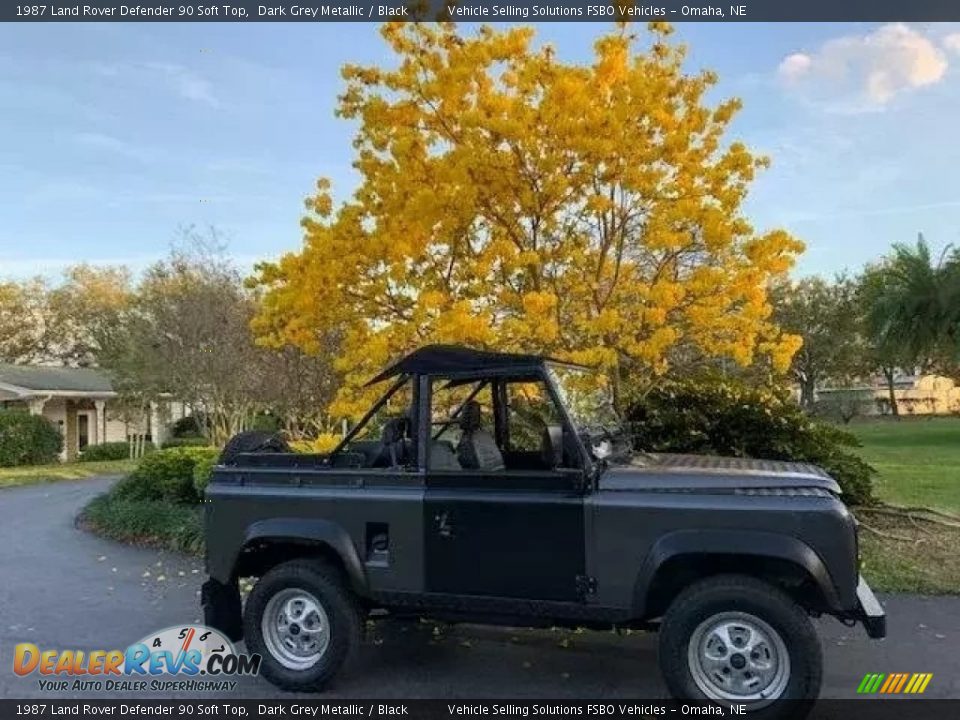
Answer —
188 84
952 42
795 66
866 72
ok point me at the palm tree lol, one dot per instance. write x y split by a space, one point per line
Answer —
914 312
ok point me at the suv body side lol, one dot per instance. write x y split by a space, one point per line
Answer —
555 545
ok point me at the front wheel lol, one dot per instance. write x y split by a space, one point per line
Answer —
304 622
738 640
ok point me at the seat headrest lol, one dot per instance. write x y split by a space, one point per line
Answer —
395 430
470 416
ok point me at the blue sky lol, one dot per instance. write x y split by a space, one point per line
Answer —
116 135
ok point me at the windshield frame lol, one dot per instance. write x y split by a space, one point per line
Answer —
608 425
610 419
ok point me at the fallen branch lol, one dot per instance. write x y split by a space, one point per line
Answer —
913 514
888 535
930 511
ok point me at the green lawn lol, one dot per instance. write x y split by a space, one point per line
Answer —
918 460
29 475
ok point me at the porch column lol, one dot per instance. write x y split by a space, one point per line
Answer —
70 444
157 424
36 405
101 434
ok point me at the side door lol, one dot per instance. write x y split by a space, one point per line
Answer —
516 532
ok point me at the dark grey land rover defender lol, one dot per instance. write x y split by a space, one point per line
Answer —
500 488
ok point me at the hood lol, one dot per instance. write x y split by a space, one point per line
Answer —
666 472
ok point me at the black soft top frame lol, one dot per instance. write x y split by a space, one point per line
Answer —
454 359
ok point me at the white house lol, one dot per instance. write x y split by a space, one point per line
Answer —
81 402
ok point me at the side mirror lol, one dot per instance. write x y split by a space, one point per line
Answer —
551 446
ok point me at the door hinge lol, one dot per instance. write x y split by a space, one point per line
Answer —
586 585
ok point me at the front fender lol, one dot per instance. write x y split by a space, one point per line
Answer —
749 543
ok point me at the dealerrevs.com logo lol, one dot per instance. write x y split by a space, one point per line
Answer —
200 657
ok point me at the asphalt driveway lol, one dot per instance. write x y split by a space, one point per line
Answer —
63 588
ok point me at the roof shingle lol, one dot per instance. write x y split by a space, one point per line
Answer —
57 379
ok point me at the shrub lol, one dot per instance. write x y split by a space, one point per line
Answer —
27 439
189 426
185 441
202 472
167 475
265 422
726 418
323 443
106 451
153 522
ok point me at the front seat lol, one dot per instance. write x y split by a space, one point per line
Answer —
477 450
394 442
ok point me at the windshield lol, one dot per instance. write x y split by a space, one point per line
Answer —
587 397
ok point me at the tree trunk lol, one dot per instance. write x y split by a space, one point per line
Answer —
891 392
808 393
616 391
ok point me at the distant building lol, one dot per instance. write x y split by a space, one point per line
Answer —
80 402
916 394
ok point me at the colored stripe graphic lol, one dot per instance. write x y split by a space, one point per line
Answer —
894 683
870 683
903 681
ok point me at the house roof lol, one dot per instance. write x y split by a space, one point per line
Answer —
444 359
37 379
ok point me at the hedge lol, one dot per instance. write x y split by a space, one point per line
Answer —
27 439
202 472
106 451
167 475
724 417
152 522
186 441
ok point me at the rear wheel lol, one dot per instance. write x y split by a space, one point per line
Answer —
735 639
304 623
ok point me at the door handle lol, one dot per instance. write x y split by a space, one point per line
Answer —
444 528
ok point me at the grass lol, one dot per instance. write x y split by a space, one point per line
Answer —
917 460
905 554
32 474
918 464
156 523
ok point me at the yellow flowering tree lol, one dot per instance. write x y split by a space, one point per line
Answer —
513 201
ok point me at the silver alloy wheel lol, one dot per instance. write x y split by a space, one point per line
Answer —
295 629
738 657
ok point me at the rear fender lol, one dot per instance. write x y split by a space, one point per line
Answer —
324 533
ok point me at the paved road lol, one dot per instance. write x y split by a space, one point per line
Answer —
63 588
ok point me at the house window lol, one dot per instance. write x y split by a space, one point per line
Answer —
83 430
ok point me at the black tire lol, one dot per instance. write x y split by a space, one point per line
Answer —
325 583
752 597
251 441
